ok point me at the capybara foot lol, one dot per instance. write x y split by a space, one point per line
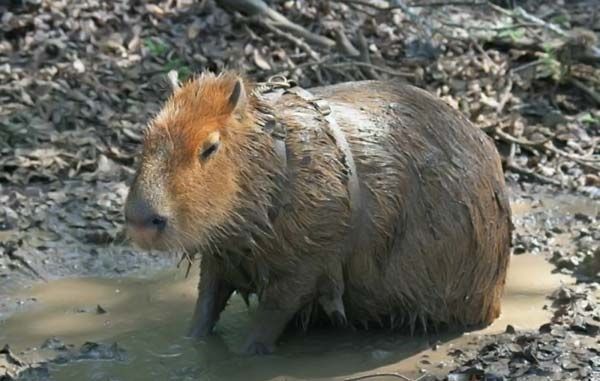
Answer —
339 319
258 348
199 331
333 305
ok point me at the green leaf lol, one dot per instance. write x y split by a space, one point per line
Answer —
589 118
513 34
178 64
155 46
562 20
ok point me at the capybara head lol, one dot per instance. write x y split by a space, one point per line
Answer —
187 184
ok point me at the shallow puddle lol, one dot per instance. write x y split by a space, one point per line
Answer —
147 317
559 204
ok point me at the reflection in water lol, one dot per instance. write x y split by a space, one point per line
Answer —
149 317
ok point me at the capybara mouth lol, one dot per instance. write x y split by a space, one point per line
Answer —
168 240
146 239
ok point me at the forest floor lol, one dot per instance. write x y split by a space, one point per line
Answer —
79 80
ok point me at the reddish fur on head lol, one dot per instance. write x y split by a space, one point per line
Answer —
196 193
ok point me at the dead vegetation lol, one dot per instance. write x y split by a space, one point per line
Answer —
78 79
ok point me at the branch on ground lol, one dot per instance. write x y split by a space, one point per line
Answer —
259 9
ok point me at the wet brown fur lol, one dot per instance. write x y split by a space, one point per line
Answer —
432 246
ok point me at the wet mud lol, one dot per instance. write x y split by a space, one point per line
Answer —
132 327
149 316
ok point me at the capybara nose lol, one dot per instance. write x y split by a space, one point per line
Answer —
159 222
140 214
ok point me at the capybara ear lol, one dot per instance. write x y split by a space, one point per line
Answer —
237 99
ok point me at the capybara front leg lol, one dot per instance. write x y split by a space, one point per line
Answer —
278 304
213 294
267 327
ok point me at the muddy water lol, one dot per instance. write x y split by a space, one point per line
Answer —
557 205
147 317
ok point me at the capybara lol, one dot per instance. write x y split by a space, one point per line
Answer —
372 201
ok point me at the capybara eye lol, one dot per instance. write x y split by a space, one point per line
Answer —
208 151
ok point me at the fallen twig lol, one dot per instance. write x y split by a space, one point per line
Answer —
588 90
310 63
344 44
584 162
547 145
328 63
379 7
527 65
363 47
529 17
488 28
519 12
259 9
374 67
383 7
447 4
504 98
522 142
571 156
290 37
296 29
529 173
483 52
375 375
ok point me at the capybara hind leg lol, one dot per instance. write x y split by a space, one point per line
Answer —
214 292
494 309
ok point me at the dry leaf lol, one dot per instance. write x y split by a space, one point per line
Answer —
260 61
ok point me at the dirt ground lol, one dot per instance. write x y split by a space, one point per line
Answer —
79 80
